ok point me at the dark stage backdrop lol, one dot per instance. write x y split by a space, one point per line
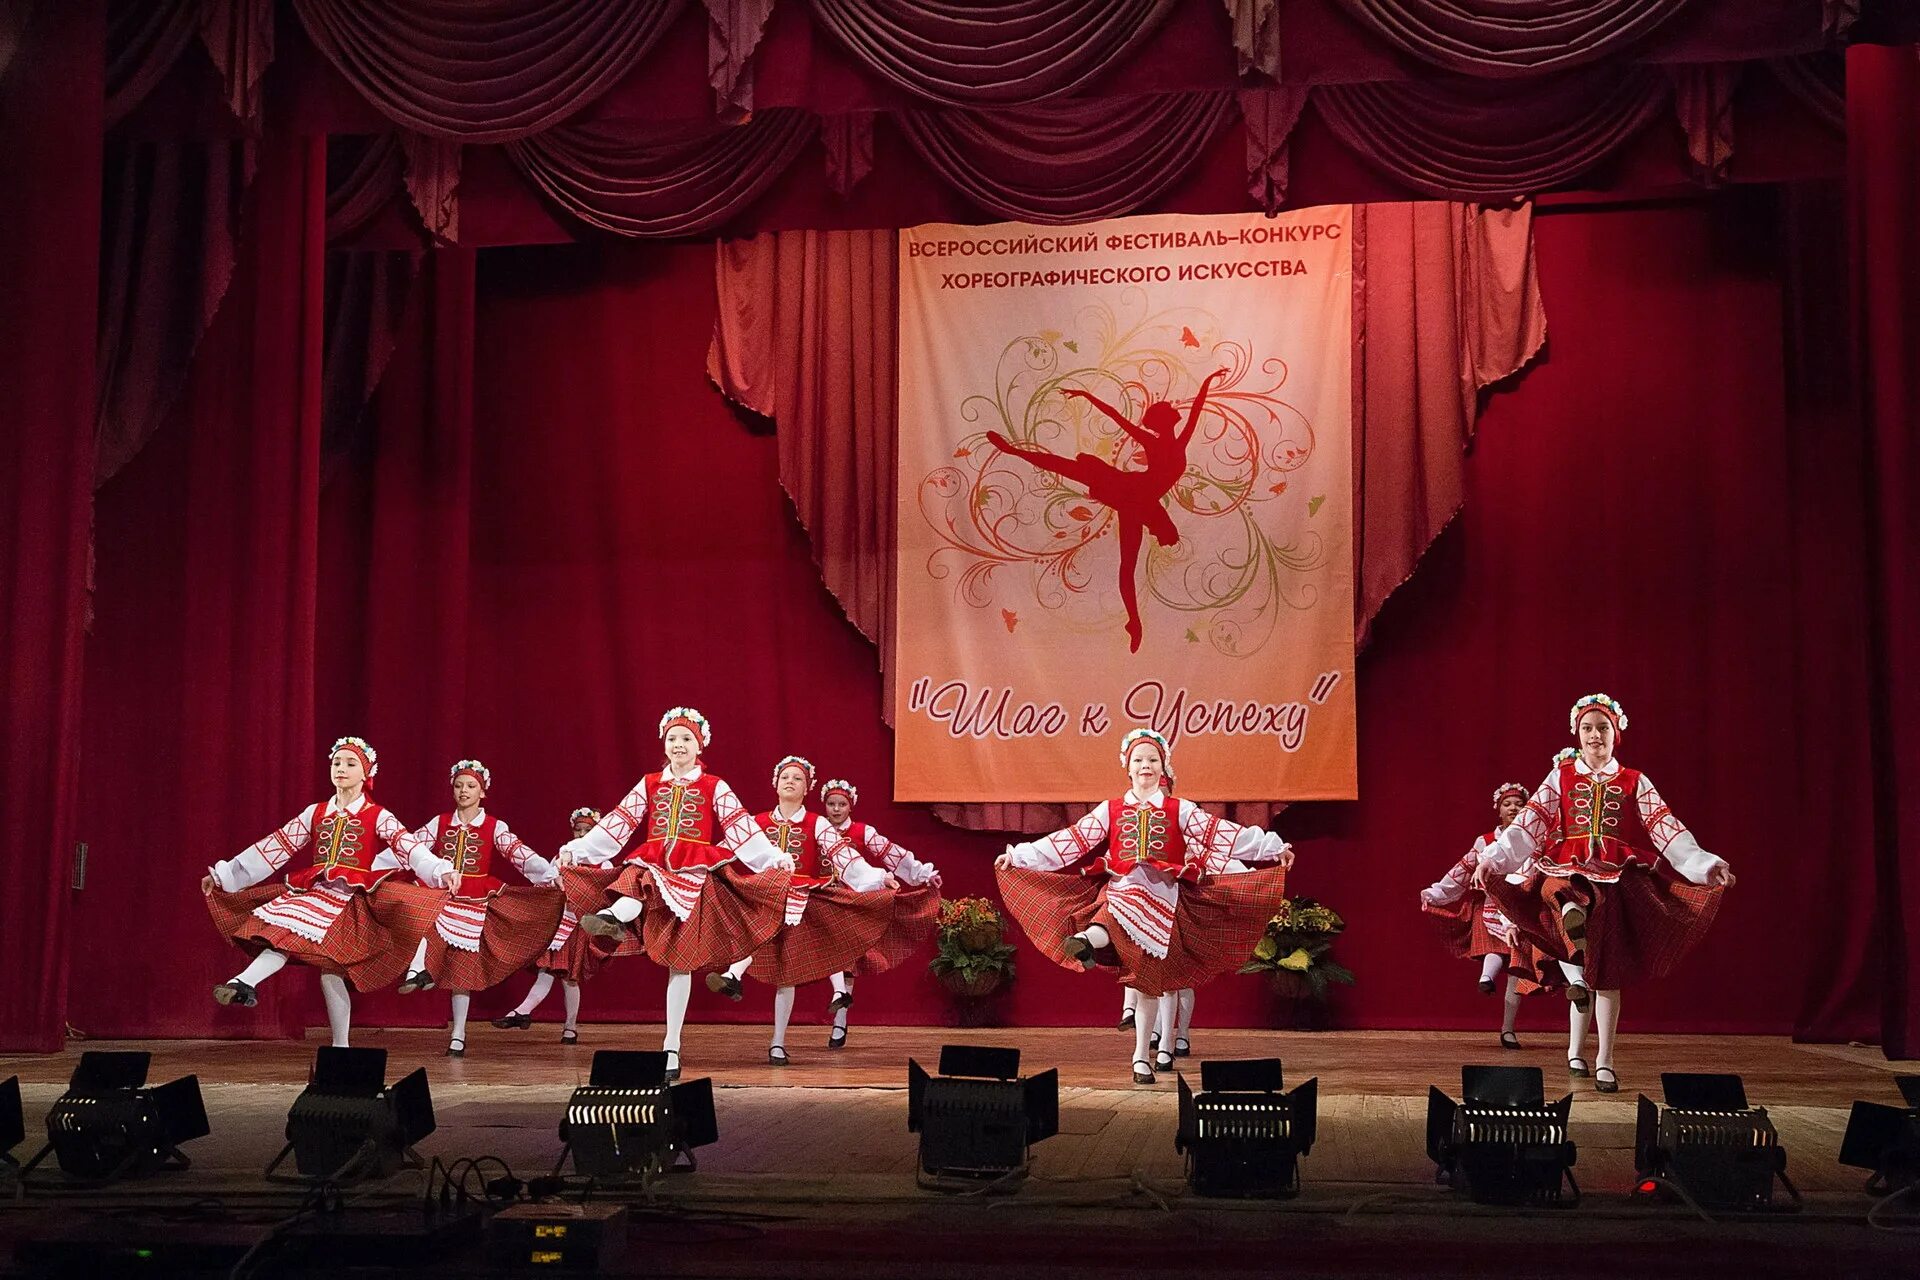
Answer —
532 572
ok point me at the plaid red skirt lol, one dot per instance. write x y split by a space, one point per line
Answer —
369 944
1218 923
574 960
916 915
519 924
737 911
1463 928
1638 928
840 926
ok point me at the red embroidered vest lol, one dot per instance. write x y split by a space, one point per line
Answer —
797 837
343 846
680 812
1600 828
469 849
1148 833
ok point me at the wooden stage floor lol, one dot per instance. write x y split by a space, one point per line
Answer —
827 1138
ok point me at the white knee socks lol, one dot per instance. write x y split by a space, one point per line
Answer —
419 961
625 910
264 966
461 999
1575 974
782 1014
542 984
569 992
1146 1018
333 989
738 967
1577 1020
1186 1013
1128 998
1100 938
1490 967
679 990
1512 1011
1168 1019
1606 1011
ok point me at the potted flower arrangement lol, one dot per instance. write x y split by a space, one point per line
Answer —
974 959
1294 953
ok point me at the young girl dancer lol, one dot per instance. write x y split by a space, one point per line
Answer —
705 876
837 904
916 900
1161 900
569 957
487 929
1597 899
340 913
1473 927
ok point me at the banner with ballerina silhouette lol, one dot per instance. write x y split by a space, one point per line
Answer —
1125 498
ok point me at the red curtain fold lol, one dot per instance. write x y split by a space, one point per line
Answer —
1703 101
170 226
366 292
1473 139
1269 116
363 174
199 728
679 183
1068 161
484 72
238 35
144 39
1819 82
1256 36
734 28
996 52
1510 38
1883 146
51 99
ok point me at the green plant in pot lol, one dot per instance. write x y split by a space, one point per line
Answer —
1294 952
974 959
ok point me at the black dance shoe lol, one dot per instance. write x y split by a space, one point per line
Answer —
236 992
513 1021
1143 1072
418 980
725 984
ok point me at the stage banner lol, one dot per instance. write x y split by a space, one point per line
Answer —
1125 498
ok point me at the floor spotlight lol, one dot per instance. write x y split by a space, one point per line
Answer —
1503 1143
110 1124
349 1124
977 1119
13 1123
1241 1134
1886 1140
1707 1146
627 1122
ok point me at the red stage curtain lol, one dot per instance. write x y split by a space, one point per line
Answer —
1468 138
1883 144
680 183
484 73
1819 82
50 101
1505 38
144 39
1000 51
199 731
1068 161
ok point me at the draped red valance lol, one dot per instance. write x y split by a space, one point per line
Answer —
1511 38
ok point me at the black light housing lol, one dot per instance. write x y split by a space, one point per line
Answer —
1241 1134
627 1122
1886 1140
13 1122
1706 1146
348 1124
1503 1143
978 1120
109 1124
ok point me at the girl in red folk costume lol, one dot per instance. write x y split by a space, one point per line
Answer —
1162 897
1474 927
712 887
570 955
916 902
487 929
837 905
1596 898
341 914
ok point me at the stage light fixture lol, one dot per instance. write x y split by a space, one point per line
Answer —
1503 1143
1241 1134
626 1121
1707 1146
1886 1140
349 1124
13 1124
978 1119
109 1124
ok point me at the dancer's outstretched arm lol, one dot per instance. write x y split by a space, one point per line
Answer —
1199 399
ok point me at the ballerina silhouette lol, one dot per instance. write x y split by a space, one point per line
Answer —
1134 496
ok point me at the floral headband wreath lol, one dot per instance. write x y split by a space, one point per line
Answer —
479 772
1597 702
1148 735
806 767
691 719
591 815
840 786
369 758
1510 788
1563 755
